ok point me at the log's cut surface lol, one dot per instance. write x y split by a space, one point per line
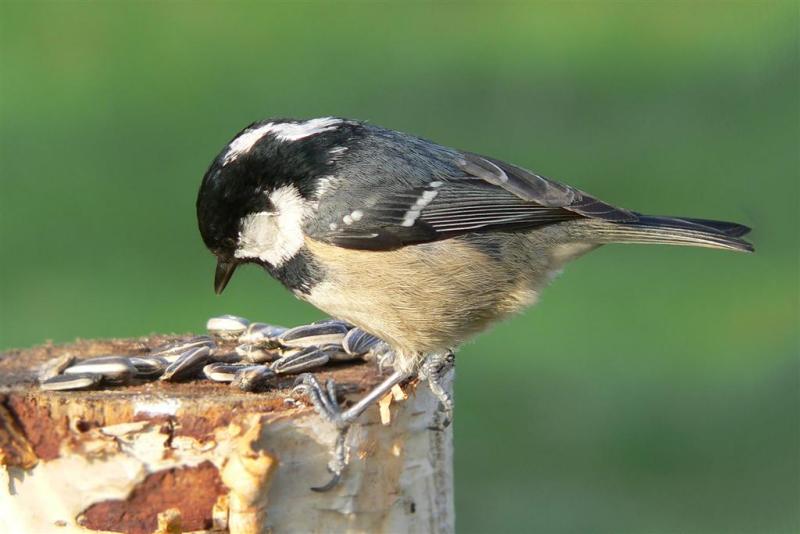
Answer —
203 456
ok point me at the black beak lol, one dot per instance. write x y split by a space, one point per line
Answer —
223 274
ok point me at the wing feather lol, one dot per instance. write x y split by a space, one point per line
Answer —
488 195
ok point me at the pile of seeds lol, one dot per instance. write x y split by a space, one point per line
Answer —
244 354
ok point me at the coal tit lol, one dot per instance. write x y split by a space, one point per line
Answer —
417 243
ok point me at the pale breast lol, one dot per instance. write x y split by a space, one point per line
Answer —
422 298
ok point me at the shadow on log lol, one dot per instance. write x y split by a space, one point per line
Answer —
202 456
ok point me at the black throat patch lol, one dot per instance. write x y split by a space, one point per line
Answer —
300 273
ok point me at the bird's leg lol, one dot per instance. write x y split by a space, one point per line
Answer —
326 404
433 370
324 400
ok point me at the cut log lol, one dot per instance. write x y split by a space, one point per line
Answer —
202 456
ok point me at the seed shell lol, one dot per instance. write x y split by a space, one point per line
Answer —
71 382
110 367
329 332
176 348
227 326
304 360
262 335
149 366
55 366
225 356
222 372
188 365
358 342
252 378
255 354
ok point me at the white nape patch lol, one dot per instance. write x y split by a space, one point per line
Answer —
332 226
414 212
245 142
275 236
291 131
347 220
283 131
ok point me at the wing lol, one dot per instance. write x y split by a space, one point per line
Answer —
481 195
540 190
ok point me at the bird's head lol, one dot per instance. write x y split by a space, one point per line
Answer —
262 186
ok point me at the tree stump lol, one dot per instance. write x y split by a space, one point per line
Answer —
201 456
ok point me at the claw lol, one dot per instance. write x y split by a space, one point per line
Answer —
332 483
331 387
385 359
338 461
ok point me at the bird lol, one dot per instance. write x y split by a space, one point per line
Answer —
417 243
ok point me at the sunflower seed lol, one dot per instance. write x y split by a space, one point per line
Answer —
358 342
252 377
338 354
227 327
116 368
71 382
262 335
328 332
55 367
283 352
332 320
225 356
308 358
149 367
223 372
172 350
255 354
188 365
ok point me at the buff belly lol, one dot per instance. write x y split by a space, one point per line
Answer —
431 297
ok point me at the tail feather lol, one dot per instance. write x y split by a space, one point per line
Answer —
671 231
728 228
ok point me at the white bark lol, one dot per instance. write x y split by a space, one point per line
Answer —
264 459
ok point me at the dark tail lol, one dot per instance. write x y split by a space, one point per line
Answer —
670 231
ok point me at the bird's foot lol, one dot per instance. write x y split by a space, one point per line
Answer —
323 399
433 370
327 406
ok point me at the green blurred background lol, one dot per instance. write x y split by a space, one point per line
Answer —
653 390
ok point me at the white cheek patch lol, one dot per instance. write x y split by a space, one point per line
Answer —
275 236
283 131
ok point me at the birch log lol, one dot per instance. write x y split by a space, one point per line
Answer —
200 456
